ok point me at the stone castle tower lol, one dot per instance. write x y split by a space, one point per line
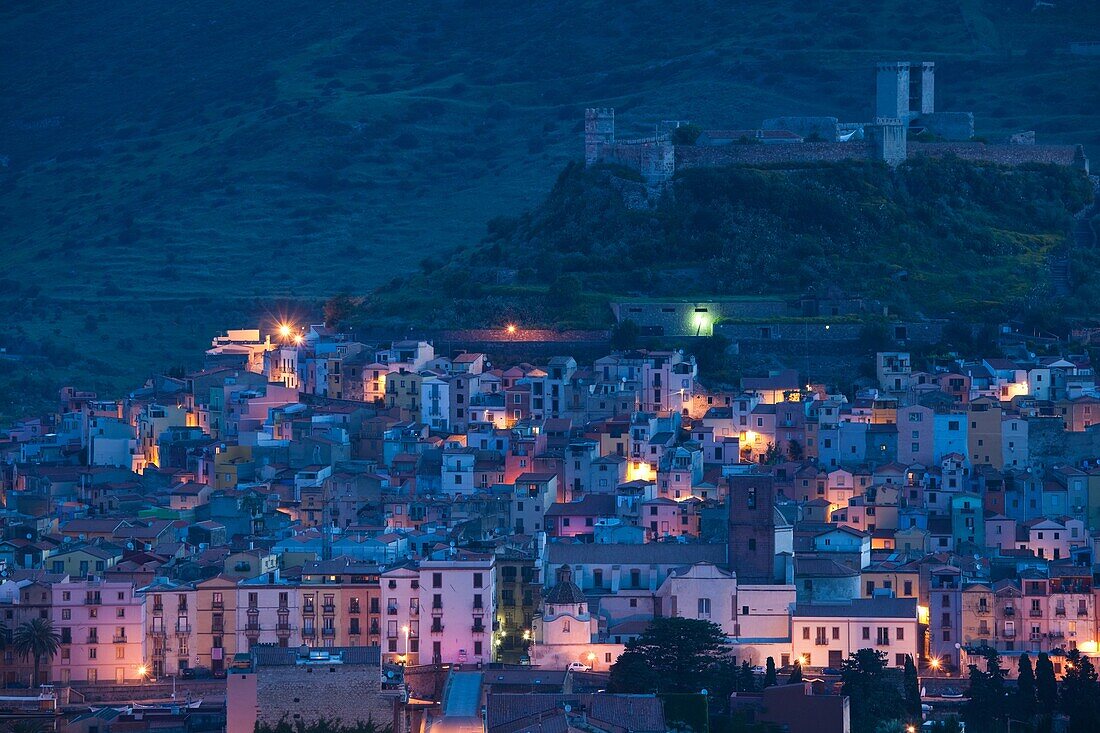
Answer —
599 130
904 91
752 528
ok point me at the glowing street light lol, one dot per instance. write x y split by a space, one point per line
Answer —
284 330
511 328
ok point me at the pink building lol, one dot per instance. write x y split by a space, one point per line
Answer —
664 517
102 627
457 594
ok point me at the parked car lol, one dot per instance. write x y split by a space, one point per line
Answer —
578 667
187 673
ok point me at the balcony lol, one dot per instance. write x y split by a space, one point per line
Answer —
309 609
282 628
328 632
1036 613
92 600
354 608
1082 612
119 638
252 626
1059 612
982 610
478 628
437 628
1009 633
183 627
93 639
216 604
309 632
821 641
1010 611
217 628
329 608
355 631
391 611
158 607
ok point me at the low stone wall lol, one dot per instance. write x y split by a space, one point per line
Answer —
1000 154
690 156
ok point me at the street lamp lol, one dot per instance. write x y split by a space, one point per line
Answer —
142 670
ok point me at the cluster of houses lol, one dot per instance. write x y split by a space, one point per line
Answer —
307 491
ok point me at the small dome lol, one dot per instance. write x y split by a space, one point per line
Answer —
564 593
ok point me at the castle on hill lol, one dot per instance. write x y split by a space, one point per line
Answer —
905 125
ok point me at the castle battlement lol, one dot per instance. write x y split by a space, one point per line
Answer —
904 107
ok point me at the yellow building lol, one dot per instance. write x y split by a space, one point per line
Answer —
403 392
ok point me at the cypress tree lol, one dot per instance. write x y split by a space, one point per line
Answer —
912 689
769 674
1025 689
1046 685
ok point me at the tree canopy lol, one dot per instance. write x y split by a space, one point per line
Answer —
675 655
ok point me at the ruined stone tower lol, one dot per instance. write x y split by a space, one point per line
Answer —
752 527
892 112
599 130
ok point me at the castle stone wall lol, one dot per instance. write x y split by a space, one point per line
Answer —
688 156
1003 154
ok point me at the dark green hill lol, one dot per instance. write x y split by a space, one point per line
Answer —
155 154
933 238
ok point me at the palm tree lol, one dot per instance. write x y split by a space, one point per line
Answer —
36 638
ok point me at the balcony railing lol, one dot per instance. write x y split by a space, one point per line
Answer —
182 627
328 632
1010 611
478 628
1035 613
158 607
354 608
391 610
437 628
309 608
253 626
92 600
93 639
328 608
1059 612
309 631
119 638
217 604
282 627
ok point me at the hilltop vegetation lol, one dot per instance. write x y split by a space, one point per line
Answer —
157 154
929 239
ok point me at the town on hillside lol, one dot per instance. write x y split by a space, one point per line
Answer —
520 546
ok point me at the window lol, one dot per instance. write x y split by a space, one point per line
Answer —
806 633
704 607
437 580
477 580
866 632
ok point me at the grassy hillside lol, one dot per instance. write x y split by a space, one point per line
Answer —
230 153
933 238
